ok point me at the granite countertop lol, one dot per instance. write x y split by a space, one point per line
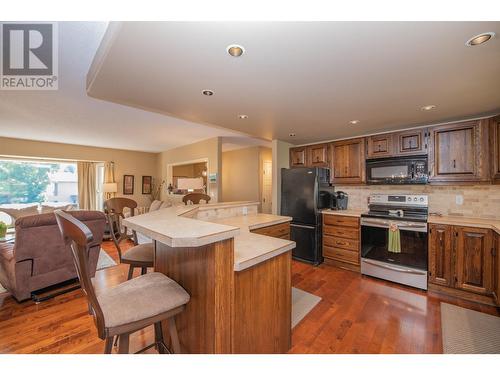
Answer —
349 212
170 227
465 221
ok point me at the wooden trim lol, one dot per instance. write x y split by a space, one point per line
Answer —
469 296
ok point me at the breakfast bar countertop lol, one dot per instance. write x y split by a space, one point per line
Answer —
171 227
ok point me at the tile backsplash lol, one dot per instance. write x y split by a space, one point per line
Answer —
478 201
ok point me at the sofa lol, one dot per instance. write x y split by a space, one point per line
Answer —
38 258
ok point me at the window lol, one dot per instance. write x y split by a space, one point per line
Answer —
24 183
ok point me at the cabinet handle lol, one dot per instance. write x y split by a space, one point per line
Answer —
454 163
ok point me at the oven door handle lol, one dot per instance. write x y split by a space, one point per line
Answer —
401 225
405 270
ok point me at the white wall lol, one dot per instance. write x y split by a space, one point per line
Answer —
281 159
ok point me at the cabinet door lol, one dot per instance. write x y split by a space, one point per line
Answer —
440 248
459 152
473 268
495 148
298 157
318 155
496 284
348 161
379 146
411 142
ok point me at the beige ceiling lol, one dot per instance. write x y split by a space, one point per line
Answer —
306 78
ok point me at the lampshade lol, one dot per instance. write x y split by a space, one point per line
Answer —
110 187
190 183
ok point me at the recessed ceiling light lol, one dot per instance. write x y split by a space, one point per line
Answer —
354 122
292 134
429 107
208 92
235 50
242 117
480 39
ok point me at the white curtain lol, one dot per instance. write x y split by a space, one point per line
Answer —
87 185
109 172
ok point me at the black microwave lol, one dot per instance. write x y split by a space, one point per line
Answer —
397 171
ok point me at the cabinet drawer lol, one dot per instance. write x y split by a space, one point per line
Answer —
343 221
278 230
344 232
343 243
342 255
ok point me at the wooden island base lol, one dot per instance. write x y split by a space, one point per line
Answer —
229 312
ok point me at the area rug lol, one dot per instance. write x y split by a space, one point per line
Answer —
104 261
302 303
467 331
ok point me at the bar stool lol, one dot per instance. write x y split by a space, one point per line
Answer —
140 256
131 306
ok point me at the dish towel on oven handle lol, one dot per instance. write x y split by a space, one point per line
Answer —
394 243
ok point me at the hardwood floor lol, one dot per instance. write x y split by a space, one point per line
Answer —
356 315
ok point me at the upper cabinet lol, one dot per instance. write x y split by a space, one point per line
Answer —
495 149
298 157
309 156
408 142
379 146
411 142
458 152
318 155
348 161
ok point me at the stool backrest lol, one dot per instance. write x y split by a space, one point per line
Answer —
114 208
195 198
78 237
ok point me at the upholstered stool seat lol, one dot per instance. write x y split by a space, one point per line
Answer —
141 298
141 253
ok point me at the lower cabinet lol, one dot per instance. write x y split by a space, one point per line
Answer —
341 240
277 230
496 273
462 258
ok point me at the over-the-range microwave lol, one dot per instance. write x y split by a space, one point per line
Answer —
397 170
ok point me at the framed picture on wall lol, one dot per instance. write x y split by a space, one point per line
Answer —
128 184
146 184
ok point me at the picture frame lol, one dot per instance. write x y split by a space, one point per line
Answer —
147 182
128 184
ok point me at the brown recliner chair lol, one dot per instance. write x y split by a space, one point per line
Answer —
39 257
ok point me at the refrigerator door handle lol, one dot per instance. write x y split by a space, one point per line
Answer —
303 226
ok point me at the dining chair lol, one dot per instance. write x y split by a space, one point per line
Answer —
130 306
140 255
195 198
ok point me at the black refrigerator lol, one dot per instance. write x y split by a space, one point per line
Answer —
304 192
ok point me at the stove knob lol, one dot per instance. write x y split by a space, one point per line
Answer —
415 199
409 199
421 199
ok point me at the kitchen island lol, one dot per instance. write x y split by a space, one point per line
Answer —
239 281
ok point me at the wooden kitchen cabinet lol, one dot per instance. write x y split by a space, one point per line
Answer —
495 149
459 152
463 262
474 250
440 249
411 142
341 240
379 146
318 155
496 270
347 161
298 157
277 230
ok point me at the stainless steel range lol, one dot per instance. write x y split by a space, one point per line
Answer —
394 239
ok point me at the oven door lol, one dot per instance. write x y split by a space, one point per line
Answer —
413 239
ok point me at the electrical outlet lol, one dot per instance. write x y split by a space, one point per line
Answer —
459 199
245 210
